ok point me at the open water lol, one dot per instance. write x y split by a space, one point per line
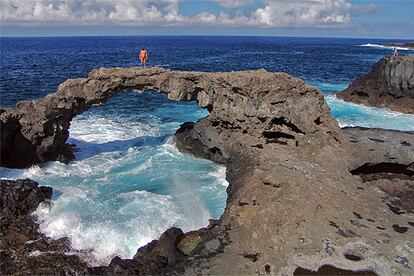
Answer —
129 183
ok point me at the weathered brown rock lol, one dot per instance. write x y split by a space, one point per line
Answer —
385 159
190 241
36 131
390 84
292 207
292 202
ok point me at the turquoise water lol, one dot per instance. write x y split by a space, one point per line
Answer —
350 114
129 183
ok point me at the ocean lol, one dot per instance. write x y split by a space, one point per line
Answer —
129 183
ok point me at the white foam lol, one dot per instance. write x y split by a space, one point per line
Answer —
385 47
194 213
35 253
219 175
117 226
329 87
106 129
99 199
143 217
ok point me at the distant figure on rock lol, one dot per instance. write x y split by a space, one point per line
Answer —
394 52
143 55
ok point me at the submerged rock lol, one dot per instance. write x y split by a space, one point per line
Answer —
390 84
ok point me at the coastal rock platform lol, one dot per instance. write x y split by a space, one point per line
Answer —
303 194
390 84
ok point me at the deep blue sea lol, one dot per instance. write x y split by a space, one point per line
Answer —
129 183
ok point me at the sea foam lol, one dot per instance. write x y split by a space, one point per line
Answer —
385 47
128 184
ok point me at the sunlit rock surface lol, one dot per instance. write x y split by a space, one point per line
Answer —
298 197
390 84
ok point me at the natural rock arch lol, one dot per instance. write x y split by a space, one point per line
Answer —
37 131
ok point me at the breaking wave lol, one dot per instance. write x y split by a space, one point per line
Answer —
129 183
385 47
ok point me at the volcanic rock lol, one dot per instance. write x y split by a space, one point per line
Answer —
23 250
37 131
293 203
390 84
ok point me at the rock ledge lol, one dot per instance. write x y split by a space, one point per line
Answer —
390 84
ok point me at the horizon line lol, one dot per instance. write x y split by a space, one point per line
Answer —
205 35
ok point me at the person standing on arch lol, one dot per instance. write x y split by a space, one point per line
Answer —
143 55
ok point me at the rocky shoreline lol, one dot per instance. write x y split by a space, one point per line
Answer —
303 194
25 250
390 84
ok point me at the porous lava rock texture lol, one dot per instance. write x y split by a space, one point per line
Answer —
37 131
390 84
297 199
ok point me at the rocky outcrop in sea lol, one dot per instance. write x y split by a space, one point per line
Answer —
303 194
390 84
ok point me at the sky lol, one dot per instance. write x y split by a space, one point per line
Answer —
392 19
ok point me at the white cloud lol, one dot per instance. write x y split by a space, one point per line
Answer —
233 3
88 12
305 13
273 13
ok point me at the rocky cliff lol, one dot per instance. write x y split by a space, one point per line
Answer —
303 194
390 84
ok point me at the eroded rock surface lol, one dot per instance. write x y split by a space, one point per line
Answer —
385 159
293 205
37 130
389 84
24 251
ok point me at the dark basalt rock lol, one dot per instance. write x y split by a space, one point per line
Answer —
23 250
156 258
37 131
291 197
21 197
389 84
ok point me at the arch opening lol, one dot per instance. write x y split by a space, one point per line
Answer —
129 183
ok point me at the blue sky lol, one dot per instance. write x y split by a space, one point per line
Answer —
331 18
